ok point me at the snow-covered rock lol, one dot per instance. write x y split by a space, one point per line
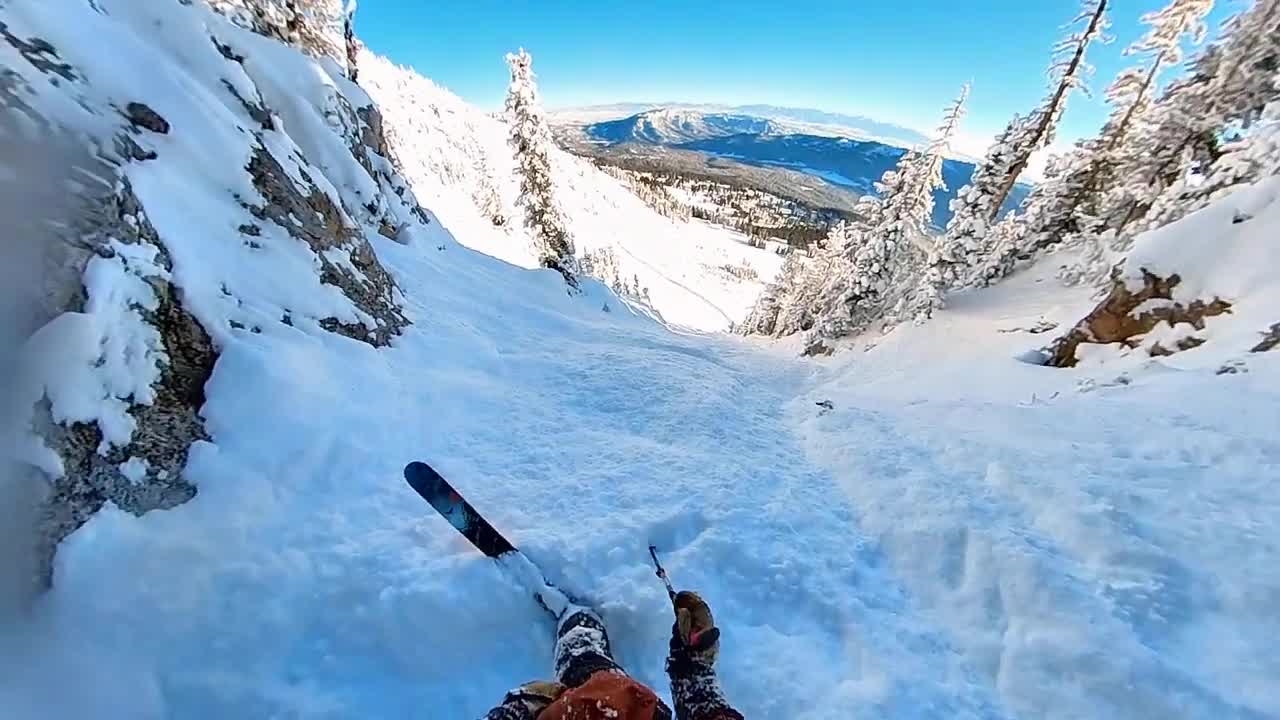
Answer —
239 193
1209 283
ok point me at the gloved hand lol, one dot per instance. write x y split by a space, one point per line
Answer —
694 637
535 696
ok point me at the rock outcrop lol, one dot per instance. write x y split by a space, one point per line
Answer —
149 334
146 473
1126 316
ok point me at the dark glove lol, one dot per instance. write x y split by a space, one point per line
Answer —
694 636
695 644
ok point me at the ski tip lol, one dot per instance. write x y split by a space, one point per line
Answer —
418 470
421 477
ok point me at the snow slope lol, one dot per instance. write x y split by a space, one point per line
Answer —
1098 544
449 148
964 535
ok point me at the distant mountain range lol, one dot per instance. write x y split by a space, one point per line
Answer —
847 162
795 120
669 126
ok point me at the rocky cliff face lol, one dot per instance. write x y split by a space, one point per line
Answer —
238 190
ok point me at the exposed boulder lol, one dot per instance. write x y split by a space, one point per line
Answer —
142 116
1126 316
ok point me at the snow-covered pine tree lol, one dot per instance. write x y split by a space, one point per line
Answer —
1257 156
842 305
1250 55
977 205
1181 136
485 193
1246 160
1230 84
976 208
888 265
884 247
1068 71
1098 211
763 318
1006 245
797 306
1048 211
530 140
939 271
813 291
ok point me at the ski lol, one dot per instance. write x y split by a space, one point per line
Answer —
464 518
437 491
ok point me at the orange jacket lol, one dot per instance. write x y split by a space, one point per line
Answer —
607 696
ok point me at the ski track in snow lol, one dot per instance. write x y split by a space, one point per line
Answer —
1091 554
702 298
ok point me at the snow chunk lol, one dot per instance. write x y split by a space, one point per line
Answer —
135 470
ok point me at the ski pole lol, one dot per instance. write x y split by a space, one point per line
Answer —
662 574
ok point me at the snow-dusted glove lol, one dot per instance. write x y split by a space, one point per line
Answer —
695 645
527 701
695 634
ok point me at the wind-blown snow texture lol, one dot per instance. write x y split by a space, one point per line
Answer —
962 536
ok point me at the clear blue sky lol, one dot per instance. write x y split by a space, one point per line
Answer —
895 60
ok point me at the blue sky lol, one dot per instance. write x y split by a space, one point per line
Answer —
898 61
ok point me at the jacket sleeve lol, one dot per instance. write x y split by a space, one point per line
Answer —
695 689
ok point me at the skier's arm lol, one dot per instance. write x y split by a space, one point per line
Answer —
695 644
526 702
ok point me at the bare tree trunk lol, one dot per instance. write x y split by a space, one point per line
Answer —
1051 110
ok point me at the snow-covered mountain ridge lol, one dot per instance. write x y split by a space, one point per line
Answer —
668 126
844 159
795 120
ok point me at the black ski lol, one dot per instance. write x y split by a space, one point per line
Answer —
454 508
449 503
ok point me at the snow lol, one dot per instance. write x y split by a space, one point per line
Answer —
447 146
91 364
1093 554
135 469
963 535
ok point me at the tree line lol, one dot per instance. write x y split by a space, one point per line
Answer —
1162 154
